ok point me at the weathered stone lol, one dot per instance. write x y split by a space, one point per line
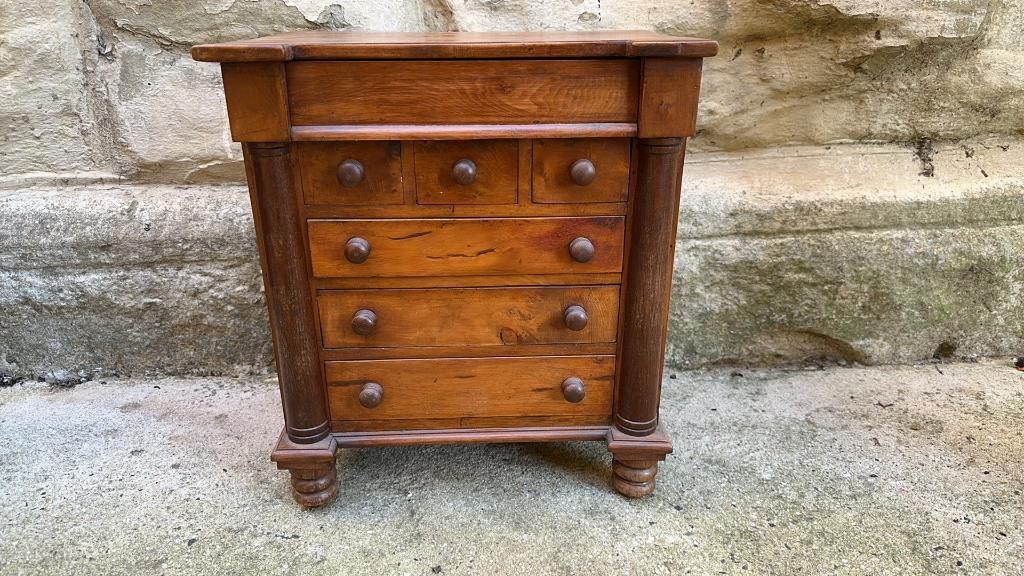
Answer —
117 76
802 234
846 255
130 280
46 117
818 254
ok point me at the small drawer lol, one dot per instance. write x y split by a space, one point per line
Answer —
466 247
351 173
580 170
467 172
468 316
470 387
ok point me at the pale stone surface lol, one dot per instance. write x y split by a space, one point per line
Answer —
896 471
46 121
127 100
130 280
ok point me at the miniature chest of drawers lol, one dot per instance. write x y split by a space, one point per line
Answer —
465 237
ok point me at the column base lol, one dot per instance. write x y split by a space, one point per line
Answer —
312 467
635 460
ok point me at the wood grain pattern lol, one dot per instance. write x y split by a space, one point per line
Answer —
463 92
668 97
577 349
497 176
412 210
501 317
325 45
497 429
343 283
382 183
257 101
313 474
462 131
467 435
470 387
635 460
552 160
455 247
285 269
445 246
648 285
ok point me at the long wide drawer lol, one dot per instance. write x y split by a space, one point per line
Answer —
466 247
463 91
468 387
468 316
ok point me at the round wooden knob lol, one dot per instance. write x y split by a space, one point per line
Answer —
350 173
582 172
581 249
572 389
464 172
372 393
357 250
363 322
575 318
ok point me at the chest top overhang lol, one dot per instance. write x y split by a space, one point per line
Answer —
320 45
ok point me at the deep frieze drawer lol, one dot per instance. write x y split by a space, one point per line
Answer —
498 317
470 387
463 92
466 247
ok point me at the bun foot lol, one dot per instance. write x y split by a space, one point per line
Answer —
634 479
314 477
635 460
315 487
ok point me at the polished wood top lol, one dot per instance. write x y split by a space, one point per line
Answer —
322 45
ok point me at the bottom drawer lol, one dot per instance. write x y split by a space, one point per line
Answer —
470 388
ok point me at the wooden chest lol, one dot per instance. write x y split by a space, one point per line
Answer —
465 237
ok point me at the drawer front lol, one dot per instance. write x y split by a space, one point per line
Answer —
467 172
469 387
468 316
465 247
463 91
351 173
580 170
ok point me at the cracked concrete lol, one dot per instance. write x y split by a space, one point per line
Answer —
906 470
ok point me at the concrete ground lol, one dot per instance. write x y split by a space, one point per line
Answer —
912 470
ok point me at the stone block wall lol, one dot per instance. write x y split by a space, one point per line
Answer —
853 195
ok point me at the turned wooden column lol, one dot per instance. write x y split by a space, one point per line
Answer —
648 284
286 277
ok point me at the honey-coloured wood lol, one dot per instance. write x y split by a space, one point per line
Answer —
257 101
351 173
491 246
470 387
580 170
348 45
371 433
668 99
361 132
463 92
465 237
500 317
467 172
